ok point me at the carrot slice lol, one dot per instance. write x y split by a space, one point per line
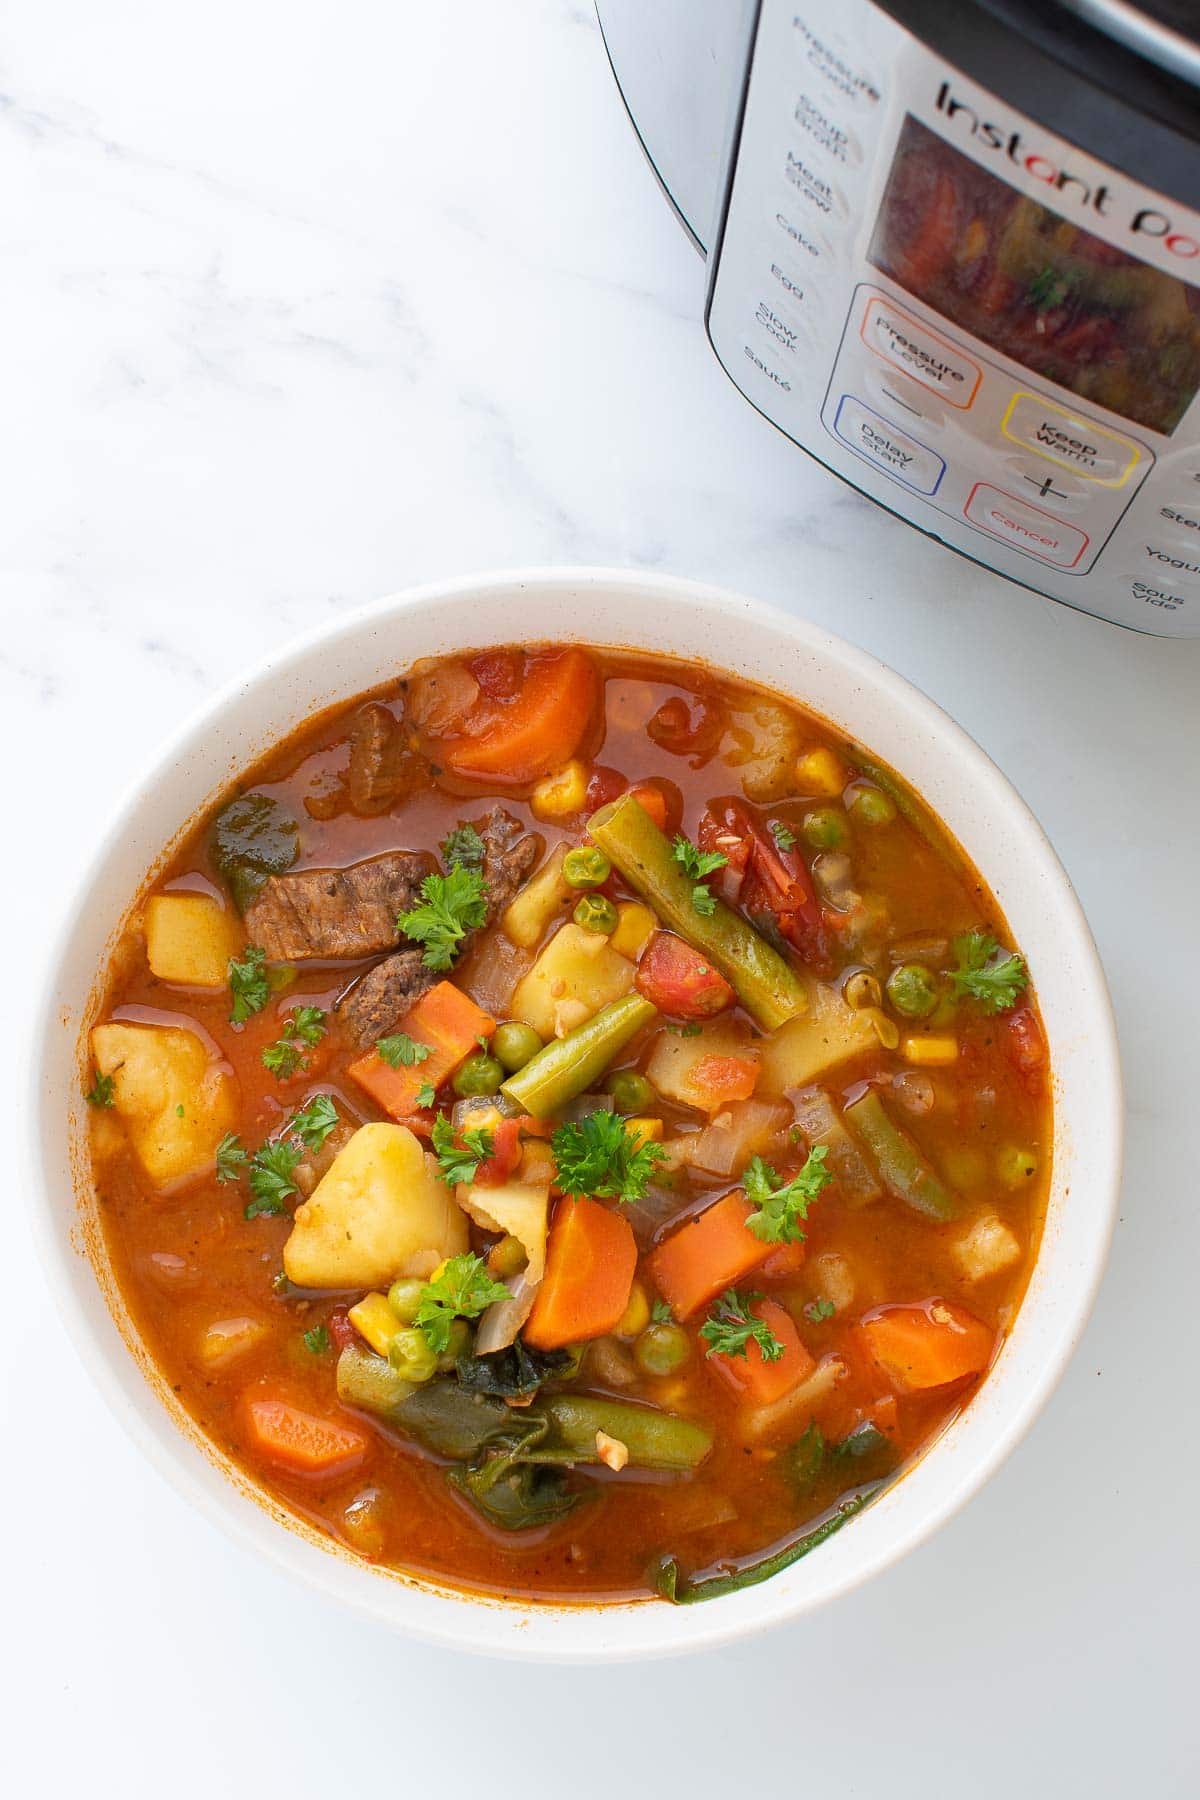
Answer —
758 1381
538 731
726 1077
784 1260
302 1441
448 1023
590 1259
711 1252
927 1345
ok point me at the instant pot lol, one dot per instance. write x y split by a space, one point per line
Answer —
954 254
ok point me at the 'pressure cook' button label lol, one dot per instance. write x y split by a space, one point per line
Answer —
907 344
1025 526
1069 440
891 449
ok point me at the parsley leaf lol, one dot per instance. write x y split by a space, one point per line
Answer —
101 1091
731 1325
463 849
304 1027
426 1094
784 837
451 905
232 1157
596 1156
271 1170
307 1023
692 1030
458 1161
818 1310
781 1205
248 984
282 1059
313 1124
400 1050
696 864
317 1340
987 974
463 1290
661 1313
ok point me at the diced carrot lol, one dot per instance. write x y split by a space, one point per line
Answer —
710 1252
449 1023
590 1259
784 1260
539 730
302 1441
653 801
663 800
758 1380
681 981
926 1345
506 1154
726 1077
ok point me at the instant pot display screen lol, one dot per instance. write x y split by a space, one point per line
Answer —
1036 286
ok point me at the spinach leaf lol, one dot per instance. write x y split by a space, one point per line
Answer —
803 1461
252 837
511 1487
683 1591
451 1421
515 1371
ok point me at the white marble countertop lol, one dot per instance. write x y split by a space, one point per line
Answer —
304 303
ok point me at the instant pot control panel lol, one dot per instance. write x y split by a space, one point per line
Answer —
983 328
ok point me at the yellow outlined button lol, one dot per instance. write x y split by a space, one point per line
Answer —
1070 441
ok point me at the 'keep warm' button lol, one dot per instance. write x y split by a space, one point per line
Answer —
1025 526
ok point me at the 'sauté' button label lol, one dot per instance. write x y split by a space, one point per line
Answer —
907 344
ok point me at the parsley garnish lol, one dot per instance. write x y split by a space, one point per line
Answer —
302 1029
692 1030
248 984
785 838
426 1094
451 905
271 1170
696 865
661 1313
317 1340
313 1124
987 974
731 1325
782 1204
232 1157
101 1091
463 1290
400 1050
818 1310
596 1156
463 849
458 1158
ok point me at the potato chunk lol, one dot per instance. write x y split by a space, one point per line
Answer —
190 939
519 1208
576 974
802 1050
673 1060
379 1212
987 1247
175 1101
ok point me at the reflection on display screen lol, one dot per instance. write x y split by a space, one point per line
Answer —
1033 284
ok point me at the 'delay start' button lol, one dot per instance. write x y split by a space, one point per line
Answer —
907 344
1026 527
889 448
1069 440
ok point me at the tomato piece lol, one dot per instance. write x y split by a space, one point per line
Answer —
604 786
340 1329
506 1154
498 673
686 725
536 732
679 980
1027 1048
773 880
663 801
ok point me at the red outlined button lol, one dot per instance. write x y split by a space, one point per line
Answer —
1026 527
907 344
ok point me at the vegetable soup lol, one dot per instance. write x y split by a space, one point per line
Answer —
570 1125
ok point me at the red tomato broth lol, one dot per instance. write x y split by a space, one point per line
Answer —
737 1507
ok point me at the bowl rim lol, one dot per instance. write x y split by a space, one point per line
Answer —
483 1623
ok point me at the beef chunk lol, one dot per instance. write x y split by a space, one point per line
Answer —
375 1005
384 769
509 853
336 912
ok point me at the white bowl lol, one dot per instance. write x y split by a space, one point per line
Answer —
862 698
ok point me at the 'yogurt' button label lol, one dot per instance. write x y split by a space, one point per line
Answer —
907 344
889 448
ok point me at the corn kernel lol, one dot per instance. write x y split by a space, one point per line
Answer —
374 1319
930 1052
636 1316
537 1167
644 1131
636 925
226 1340
1015 1166
821 772
560 795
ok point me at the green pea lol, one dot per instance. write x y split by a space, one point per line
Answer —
1015 1167
514 1044
596 913
871 806
478 1077
459 1345
824 828
912 990
506 1258
411 1357
404 1297
662 1349
586 867
631 1092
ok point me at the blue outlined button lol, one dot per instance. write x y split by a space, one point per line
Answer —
878 441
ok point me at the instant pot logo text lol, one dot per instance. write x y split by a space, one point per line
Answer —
1145 222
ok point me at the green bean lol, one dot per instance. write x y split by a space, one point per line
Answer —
765 984
571 1065
369 1381
654 1439
904 1170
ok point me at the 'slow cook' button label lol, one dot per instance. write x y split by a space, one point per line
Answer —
907 344
884 444
1025 526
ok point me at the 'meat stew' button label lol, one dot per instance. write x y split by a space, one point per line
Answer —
1025 526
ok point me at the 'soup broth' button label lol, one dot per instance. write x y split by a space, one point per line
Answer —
907 344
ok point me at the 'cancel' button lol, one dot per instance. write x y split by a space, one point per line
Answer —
1026 527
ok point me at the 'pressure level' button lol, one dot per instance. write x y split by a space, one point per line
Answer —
907 344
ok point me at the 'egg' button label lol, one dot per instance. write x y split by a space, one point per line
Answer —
884 444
